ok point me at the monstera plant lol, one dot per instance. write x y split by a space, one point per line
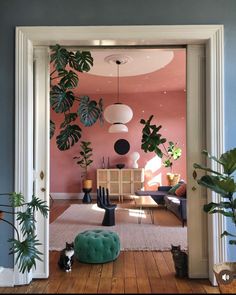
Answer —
25 246
66 65
152 141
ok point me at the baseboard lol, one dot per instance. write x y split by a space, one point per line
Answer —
6 277
70 196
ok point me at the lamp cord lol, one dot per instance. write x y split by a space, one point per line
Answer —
118 80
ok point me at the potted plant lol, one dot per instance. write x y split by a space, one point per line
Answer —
152 141
84 161
25 246
222 182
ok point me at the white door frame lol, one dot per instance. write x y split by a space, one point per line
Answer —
28 37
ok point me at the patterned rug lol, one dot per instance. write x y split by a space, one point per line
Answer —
133 236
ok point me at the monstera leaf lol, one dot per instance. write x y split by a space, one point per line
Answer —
59 56
52 128
60 99
68 119
84 61
69 79
68 137
89 111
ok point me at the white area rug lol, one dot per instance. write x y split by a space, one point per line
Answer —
133 236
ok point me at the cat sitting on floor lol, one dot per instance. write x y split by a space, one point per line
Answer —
180 261
67 257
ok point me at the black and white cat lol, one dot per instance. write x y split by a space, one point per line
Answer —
180 261
67 257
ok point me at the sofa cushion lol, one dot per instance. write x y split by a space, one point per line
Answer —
173 189
181 190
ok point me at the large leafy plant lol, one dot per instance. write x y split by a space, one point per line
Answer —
25 246
84 160
152 141
67 64
221 182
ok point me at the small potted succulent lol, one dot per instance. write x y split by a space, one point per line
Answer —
25 246
152 141
222 182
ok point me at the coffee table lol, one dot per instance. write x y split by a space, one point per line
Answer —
145 203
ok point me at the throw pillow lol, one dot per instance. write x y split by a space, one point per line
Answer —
173 189
181 191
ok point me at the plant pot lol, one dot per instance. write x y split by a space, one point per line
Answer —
172 178
224 273
87 184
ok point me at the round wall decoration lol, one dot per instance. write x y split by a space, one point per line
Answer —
121 146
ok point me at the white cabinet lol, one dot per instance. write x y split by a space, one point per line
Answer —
121 182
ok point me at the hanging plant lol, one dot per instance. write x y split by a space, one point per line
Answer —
62 97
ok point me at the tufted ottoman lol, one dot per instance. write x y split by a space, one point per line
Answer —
97 246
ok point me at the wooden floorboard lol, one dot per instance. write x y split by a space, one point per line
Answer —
132 272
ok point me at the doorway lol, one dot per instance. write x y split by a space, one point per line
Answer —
119 36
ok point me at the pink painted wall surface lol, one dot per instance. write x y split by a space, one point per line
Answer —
168 108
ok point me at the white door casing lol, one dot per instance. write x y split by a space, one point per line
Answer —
27 37
196 142
41 152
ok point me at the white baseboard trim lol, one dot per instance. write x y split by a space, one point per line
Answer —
6 277
70 196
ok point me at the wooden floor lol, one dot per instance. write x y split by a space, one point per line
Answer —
133 272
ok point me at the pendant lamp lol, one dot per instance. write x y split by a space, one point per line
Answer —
118 114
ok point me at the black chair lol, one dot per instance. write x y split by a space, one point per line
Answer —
104 203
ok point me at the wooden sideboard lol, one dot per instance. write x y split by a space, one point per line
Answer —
121 182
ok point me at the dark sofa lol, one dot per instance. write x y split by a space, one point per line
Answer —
177 205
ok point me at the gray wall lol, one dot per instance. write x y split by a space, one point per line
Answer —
102 12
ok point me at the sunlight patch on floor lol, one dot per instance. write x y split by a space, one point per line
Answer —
137 213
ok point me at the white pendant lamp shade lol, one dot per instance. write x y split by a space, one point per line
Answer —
118 128
118 113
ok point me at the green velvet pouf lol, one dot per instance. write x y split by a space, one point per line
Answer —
97 246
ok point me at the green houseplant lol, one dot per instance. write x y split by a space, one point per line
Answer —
152 141
222 182
84 161
24 245
66 65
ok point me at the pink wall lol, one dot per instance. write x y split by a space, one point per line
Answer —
169 110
